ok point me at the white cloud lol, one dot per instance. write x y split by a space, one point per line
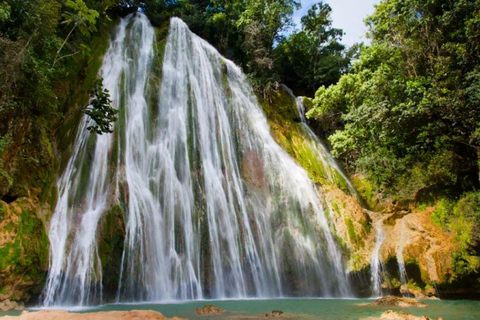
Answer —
347 15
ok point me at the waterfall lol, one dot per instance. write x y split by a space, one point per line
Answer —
213 207
376 265
401 262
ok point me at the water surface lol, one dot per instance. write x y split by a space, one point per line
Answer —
324 309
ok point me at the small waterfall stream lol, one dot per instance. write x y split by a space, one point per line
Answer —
333 171
401 262
376 265
213 207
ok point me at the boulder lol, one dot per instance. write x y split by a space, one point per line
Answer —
209 310
7 305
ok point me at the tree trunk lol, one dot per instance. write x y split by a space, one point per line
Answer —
63 44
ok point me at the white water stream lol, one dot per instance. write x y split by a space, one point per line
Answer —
400 260
213 206
376 266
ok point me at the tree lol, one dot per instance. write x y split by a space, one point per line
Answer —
82 18
216 22
313 56
263 23
408 115
101 110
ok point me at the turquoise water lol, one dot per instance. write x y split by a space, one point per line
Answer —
325 309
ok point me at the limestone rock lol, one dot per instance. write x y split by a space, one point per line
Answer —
209 310
7 305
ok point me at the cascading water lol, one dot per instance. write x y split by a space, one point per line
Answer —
401 262
376 263
86 189
213 207
332 169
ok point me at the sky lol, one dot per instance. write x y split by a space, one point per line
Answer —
347 15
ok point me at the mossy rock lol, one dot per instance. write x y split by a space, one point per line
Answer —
110 248
24 251
287 130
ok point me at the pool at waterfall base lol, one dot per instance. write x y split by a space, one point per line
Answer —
313 308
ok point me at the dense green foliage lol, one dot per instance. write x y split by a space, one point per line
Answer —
408 115
45 46
35 36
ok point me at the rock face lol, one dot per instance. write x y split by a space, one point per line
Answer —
353 225
253 171
110 315
411 239
391 301
208 310
423 242
392 315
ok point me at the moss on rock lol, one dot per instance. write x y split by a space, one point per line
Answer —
23 251
110 248
285 126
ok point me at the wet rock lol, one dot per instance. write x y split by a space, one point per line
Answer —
275 313
7 305
209 309
427 293
393 315
391 301
253 171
